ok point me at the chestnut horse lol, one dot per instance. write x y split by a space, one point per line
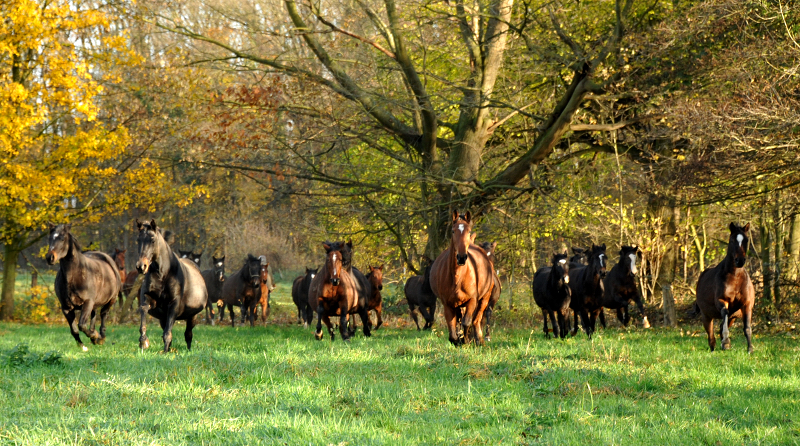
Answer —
242 289
726 292
462 277
375 303
85 282
173 288
267 285
491 254
333 292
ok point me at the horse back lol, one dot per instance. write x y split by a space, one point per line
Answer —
413 289
484 271
194 293
102 270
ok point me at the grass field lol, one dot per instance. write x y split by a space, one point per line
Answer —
276 385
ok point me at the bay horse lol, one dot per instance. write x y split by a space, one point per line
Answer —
490 248
363 285
214 279
85 281
587 287
552 294
267 285
580 257
333 292
621 288
725 291
242 289
462 277
375 302
173 288
419 294
300 297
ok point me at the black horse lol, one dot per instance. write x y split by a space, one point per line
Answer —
173 288
552 294
420 295
300 297
620 287
196 257
85 282
214 279
586 285
579 258
243 288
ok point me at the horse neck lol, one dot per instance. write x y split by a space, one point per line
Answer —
727 264
164 257
74 259
554 278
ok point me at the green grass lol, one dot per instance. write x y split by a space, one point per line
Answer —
277 385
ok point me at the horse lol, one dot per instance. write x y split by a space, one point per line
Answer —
196 257
185 254
267 285
587 289
462 277
621 288
243 289
214 279
418 293
579 258
552 294
490 248
726 292
173 288
300 297
363 285
333 292
375 302
85 282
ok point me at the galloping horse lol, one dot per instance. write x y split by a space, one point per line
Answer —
420 295
587 289
214 279
462 277
85 281
333 292
300 297
172 289
726 292
552 294
375 303
492 255
242 288
621 288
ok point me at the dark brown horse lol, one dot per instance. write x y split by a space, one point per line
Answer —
462 277
333 292
85 282
242 289
587 289
552 294
726 292
420 295
300 297
173 288
490 249
621 288
214 279
375 303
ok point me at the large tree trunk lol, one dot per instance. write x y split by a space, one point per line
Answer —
10 257
670 216
794 248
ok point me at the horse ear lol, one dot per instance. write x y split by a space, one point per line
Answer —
468 217
153 224
455 215
747 227
732 226
603 246
472 237
138 224
371 268
327 247
350 243
381 267
50 226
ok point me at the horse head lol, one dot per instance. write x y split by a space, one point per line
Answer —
196 257
310 274
264 273
218 266
460 239
184 254
333 263
252 271
60 240
598 259
561 268
119 258
627 259
490 250
579 256
375 277
738 242
149 241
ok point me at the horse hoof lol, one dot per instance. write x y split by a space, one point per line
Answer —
144 344
318 336
101 341
645 323
84 348
488 339
749 350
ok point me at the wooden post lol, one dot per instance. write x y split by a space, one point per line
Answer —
668 304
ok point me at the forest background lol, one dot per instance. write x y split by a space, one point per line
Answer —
269 126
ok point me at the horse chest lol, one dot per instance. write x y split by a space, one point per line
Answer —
733 286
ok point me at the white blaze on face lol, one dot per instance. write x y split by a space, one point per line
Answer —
566 276
740 239
633 263
334 261
313 275
602 261
219 264
461 228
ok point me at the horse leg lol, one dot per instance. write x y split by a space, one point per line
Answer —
626 312
309 316
620 316
747 314
562 323
488 315
318 332
73 328
167 327
601 313
427 315
544 318
187 335
379 314
724 332
450 321
251 313
708 324
329 324
221 312
414 316
103 314
585 323
467 318
143 307
85 323
640 306
364 314
233 317
554 323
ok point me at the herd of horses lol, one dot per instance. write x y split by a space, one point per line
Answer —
463 279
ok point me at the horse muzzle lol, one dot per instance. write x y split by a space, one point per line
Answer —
380 287
142 266
740 262
221 278
461 259
51 257
335 281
